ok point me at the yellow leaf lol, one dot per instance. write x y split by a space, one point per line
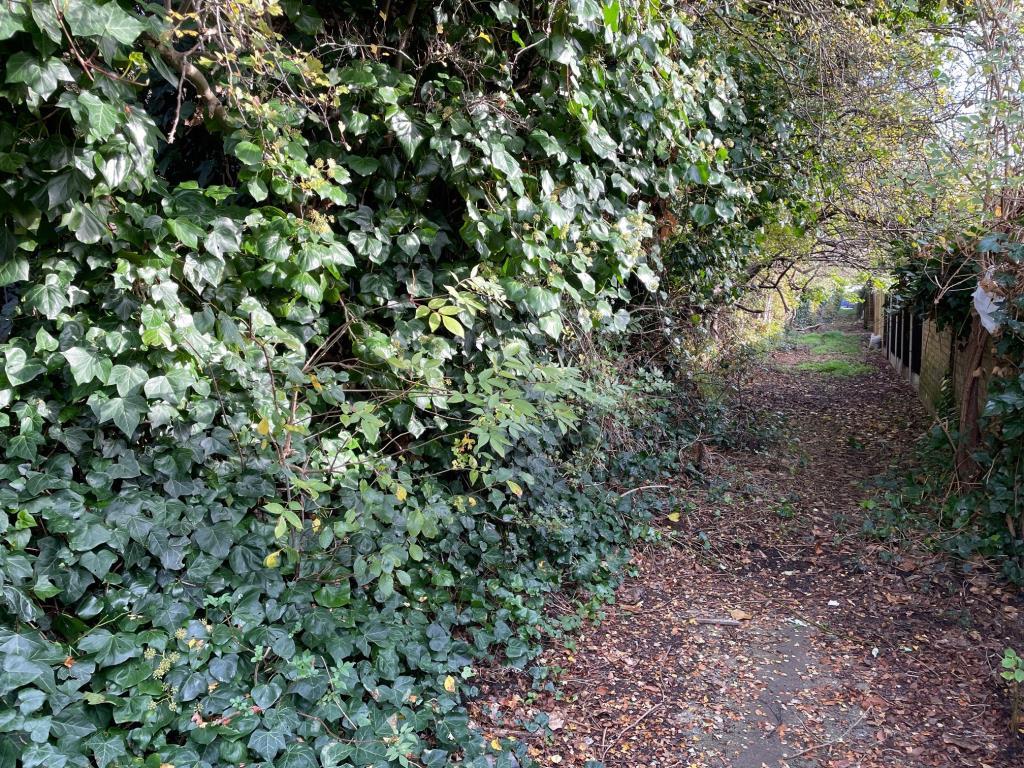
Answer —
674 517
263 427
449 684
401 493
316 382
515 487
496 745
740 615
273 560
485 36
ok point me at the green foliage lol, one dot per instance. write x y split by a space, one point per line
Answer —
1013 673
1012 666
301 390
987 517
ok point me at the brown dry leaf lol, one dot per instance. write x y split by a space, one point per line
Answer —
740 615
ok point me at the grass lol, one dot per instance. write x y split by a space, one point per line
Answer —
828 343
834 367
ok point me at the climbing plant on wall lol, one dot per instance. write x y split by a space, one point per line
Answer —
300 353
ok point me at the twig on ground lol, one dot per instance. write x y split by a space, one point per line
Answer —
831 742
645 488
628 728
722 622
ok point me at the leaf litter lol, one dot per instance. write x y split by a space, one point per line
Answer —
771 633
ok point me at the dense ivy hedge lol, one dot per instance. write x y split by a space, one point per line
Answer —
306 308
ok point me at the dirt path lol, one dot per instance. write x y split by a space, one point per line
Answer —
830 651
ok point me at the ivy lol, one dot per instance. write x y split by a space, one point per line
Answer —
303 368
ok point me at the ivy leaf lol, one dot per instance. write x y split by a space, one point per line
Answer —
50 298
273 246
547 142
298 756
19 368
90 19
45 17
103 117
87 225
106 749
647 276
702 214
541 301
127 378
24 447
408 134
266 743
265 695
717 109
409 243
599 141
367 245
45 342
87 365
611 15
40 76
13 270
308 286
224 237
125 412
160 388
551 324
13 18
364 166
108 649
186 231
504 162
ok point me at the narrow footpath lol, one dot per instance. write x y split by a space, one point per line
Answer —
773 632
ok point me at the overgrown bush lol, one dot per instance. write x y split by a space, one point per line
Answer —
304 311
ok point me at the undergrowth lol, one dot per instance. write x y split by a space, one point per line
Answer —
926 506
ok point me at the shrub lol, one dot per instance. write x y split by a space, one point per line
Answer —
304 315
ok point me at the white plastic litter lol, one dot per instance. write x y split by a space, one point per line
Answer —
987 306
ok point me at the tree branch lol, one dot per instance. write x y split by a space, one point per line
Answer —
179 61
